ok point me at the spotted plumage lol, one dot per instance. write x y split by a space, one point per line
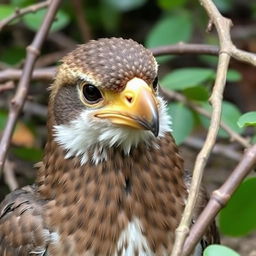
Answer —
111 181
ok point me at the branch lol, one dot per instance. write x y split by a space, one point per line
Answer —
223 28
9 85
18 101
50 58
9 175
38 74
170 95
220 198
219 149
183 48
62 41
21 12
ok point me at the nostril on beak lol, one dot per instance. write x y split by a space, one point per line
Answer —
129 98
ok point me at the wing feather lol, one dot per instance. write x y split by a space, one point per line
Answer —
22 227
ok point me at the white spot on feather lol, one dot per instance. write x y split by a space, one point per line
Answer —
134 239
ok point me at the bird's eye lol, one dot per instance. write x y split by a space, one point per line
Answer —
155 83
91 93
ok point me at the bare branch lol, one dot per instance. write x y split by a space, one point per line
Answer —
38 74
9 175
50 58
18 101
21 12
243 56
223 28
62 41
183 48
9 85
219 149
219 198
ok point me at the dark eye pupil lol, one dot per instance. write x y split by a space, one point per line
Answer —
155 83
91 93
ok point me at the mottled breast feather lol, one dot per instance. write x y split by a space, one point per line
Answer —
111 63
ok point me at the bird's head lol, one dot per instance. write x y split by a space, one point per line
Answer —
106 95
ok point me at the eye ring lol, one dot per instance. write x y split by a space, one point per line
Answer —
155 83
91 93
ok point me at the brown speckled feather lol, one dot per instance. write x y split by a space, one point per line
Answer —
111 194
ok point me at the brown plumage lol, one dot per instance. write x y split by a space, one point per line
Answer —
103 200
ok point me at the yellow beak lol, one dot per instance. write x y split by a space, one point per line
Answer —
135 107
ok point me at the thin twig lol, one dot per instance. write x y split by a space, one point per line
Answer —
223 29
171 95
9 175
243 55
18 101
62 41
9 85
220 198
50 58
219 149
38 74
184 48
21 12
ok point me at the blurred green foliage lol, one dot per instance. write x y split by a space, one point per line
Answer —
238 217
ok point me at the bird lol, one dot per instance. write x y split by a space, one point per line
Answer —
111 181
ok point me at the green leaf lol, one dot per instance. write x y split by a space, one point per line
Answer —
238 217
13 55
168 31
169 5
200 93
6 10
181 129
233 76
247 119
219 250
230 115
28 154
125 5
184 78
34 20
3 119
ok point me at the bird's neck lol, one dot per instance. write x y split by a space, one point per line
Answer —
57 175
142 191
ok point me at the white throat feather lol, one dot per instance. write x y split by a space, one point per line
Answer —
89 134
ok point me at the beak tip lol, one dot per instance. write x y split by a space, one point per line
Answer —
155 130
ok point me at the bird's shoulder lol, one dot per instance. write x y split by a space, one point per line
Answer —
22 227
